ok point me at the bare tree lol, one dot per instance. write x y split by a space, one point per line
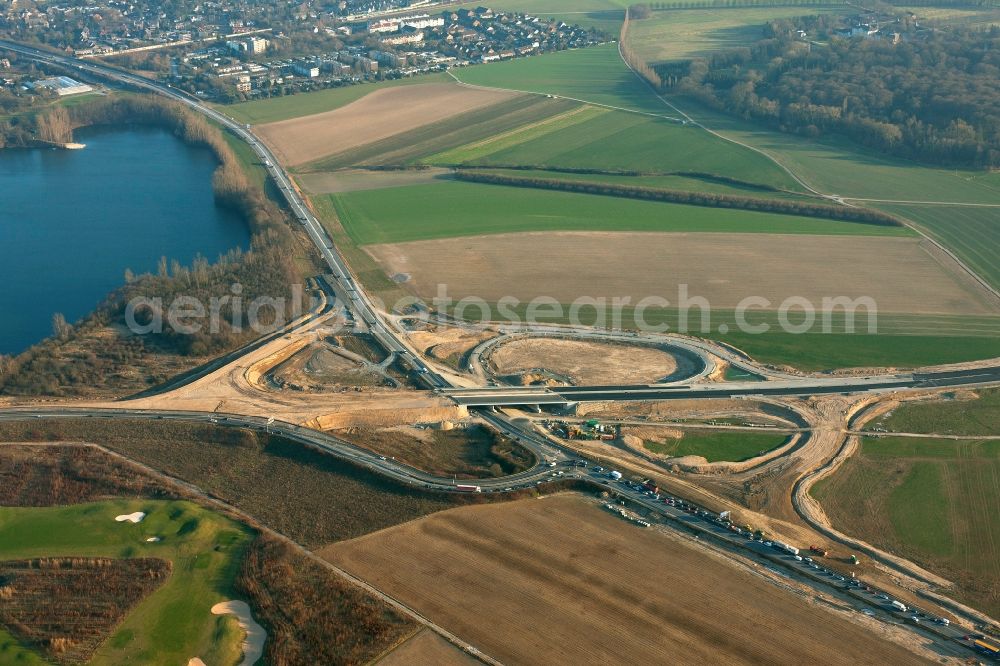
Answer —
55 126
60 328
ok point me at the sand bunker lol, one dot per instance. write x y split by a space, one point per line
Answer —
131 517
253 643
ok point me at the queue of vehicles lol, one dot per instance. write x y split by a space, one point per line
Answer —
722 526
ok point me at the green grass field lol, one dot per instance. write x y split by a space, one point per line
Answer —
12 653
615 140
682 34
822 351
174 623
448 209
958 416
305 104
934 501
971 233
594 74
717 446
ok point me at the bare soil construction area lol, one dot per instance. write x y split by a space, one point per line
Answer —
560 581
381 114
593 363
898 273
321 366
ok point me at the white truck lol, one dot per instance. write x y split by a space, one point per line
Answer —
785 547
898 605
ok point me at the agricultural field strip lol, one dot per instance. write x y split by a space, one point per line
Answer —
515 136
302 140
413 145
563 96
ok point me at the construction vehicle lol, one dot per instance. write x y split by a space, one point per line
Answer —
854 559
822 552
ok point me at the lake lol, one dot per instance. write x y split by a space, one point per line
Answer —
72 221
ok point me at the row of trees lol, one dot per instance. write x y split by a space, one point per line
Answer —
634 60
698 175
781 206
933 96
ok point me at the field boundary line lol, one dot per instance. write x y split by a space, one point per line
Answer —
190 489
923 203
572 99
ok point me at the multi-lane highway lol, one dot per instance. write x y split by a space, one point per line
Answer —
541 395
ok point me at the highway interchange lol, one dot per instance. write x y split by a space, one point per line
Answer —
555 462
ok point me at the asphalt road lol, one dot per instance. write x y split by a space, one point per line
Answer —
510 396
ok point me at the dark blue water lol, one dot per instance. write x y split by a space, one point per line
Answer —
71 222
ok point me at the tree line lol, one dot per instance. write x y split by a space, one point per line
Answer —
933 96
780 206
696 175
635 61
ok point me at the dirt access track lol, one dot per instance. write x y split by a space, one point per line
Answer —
900 274
562 581
375 116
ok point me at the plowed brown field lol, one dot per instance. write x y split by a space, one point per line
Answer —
560 581
900 274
